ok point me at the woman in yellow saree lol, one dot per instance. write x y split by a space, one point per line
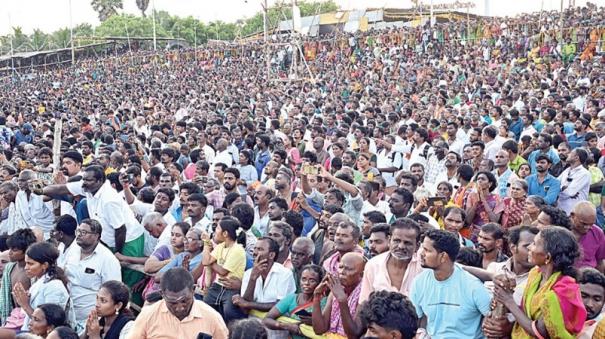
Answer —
552 305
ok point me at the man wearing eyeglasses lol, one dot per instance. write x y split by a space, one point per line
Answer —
301 255
122 232
87 267
121 229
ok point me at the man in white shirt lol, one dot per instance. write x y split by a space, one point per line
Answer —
575 181
87 267
266 283
528 127
157 234
104 205
65 234
162 202
421 150
121 230
504 175
33 209
456 143
208 152
492 146
222 155
388 163
197 211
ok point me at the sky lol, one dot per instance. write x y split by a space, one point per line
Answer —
50 15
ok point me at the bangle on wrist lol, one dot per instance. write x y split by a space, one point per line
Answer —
534 327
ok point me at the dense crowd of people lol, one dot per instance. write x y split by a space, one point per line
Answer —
431 182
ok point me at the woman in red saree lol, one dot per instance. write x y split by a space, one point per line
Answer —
514 206
552 306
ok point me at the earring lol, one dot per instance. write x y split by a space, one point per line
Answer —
117 311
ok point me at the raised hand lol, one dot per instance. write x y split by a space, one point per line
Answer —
20 295
60 178
93 329
260 266
185 263
322 288
337 289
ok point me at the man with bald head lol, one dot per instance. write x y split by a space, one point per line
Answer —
222 153
589 236
319 146
261 198
504 175
33 209
344 287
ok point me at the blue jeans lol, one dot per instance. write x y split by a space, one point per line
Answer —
220 299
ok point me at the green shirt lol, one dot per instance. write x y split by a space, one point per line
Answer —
516 163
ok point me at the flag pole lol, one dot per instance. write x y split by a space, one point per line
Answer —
71 33
10 25
155 45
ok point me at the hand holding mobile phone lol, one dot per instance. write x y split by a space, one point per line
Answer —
303 313
435 201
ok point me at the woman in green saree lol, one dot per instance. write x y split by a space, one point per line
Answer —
552 305
297 306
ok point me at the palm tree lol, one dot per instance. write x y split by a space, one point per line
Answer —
38 40
106 8
142 5
20 40
61 38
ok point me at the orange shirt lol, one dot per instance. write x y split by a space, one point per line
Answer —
156 321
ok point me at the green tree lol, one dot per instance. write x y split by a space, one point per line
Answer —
38 40
61 38
83 31
279 13
5 44
20 40
142 5
188 28
106 8
165 20
314 8
129 25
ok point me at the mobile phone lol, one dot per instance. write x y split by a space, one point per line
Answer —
36 184
436 201
310 170
303 313
130 178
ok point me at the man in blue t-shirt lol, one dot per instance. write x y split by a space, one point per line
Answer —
544 147
450 301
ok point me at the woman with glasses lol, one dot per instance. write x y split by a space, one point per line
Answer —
226 260
190 258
